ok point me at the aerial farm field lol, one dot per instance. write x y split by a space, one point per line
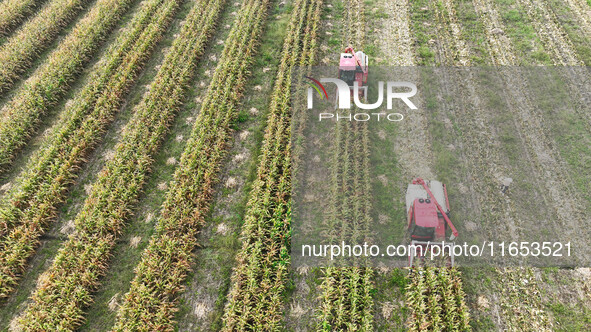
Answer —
147 164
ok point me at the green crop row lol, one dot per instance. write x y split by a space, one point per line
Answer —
21 49
49 82
436 300
47 176
347 303
260 277
150 304
12 12
68 284
346 300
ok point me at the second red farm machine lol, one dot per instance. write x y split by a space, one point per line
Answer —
427 207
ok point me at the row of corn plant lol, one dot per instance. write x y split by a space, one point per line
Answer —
25 46
67 286
150 304
436 300
255 301
21 114
44 182
12 12
346 297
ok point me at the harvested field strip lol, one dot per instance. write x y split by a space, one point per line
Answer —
491 157
574 17
44 182
521 301
582 11
552 35
49 82
154 288
259 280
12 12
566 122
414 133
22 48
75 273
489 197
534 131
571 134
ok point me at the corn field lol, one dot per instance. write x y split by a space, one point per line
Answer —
149 176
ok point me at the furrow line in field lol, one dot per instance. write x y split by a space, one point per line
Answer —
66 287
461 56
25 46
48 84
396 41
261 272
499 43
551 34
13 12
43 184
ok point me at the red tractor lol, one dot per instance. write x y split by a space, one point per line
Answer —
354 67
427 206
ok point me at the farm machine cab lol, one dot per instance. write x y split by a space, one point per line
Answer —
354 67
428 212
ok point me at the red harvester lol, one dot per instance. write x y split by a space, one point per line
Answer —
354 67
427 206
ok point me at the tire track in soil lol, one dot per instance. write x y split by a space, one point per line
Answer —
484 155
